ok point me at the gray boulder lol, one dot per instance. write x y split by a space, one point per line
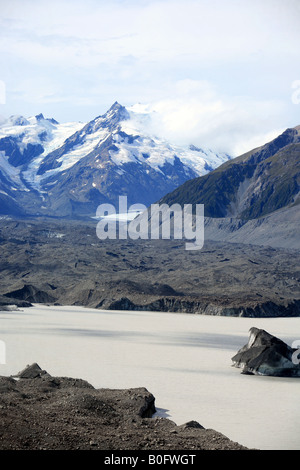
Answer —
264 354
31 372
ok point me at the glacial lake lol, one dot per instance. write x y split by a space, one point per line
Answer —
183 359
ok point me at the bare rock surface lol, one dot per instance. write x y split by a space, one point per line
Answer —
264 354
42 412
64 263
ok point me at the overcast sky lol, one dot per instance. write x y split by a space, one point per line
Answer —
224 74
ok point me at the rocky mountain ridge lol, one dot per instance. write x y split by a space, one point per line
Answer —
67 170
253 198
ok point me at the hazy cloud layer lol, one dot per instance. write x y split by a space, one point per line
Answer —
218 72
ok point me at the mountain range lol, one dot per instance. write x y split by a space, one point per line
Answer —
253 198
64 170
67 170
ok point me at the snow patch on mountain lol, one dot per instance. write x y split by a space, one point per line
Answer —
29 130
11 173
89 142
55 139
155 151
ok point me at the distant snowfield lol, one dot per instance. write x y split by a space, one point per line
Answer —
184 360
59 134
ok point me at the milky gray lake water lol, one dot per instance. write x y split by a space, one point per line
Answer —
184 360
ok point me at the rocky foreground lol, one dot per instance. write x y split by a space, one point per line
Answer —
64 263
42 412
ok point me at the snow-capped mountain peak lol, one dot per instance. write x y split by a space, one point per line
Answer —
72 167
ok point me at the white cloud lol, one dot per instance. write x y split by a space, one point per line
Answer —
197 114
218 73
